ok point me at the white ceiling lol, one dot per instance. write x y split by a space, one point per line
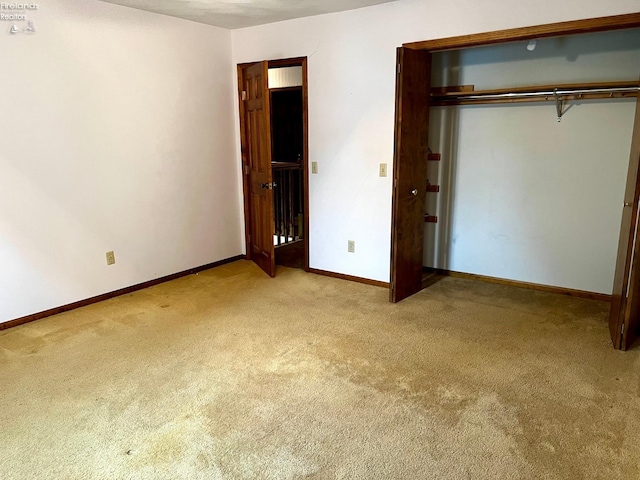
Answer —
244 13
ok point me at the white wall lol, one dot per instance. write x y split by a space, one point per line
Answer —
117 134
522 196
351 104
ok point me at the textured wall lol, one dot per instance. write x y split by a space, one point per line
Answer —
117 134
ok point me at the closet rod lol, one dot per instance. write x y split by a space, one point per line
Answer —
547 93
538 94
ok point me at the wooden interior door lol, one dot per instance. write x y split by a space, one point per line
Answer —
256 157
413 86
625 302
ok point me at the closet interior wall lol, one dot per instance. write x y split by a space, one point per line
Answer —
522 196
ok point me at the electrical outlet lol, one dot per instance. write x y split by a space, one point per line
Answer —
314 167
111 258
351 246
383 169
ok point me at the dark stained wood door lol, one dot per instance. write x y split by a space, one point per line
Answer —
625 302
413 85
256 155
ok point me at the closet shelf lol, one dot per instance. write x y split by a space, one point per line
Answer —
538 93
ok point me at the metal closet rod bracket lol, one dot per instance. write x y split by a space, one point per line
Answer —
558 104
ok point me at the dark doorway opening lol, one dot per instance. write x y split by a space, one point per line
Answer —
287 144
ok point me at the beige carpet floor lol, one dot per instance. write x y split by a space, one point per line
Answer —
231 375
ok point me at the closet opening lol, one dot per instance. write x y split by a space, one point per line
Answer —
513 179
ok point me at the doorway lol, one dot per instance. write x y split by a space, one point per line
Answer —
274 139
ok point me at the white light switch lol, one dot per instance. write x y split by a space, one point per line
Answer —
314 167
383 169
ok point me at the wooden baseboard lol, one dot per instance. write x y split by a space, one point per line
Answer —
351 278
430 277
116 293
514 283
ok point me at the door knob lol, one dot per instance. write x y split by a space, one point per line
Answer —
628 204
414 192
268 186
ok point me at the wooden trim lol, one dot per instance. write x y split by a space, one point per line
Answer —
590 25
351 278
279 62
437 91
515 283
305 160
123 291
287 62
430 277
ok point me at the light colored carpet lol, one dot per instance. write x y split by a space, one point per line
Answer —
231 375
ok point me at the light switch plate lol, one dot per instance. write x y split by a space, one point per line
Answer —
314 167
383 169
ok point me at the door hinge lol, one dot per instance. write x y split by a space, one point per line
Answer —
246 169
399 69
244 95
395 183
249 239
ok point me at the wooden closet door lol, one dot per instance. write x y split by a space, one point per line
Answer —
413 89
625 302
